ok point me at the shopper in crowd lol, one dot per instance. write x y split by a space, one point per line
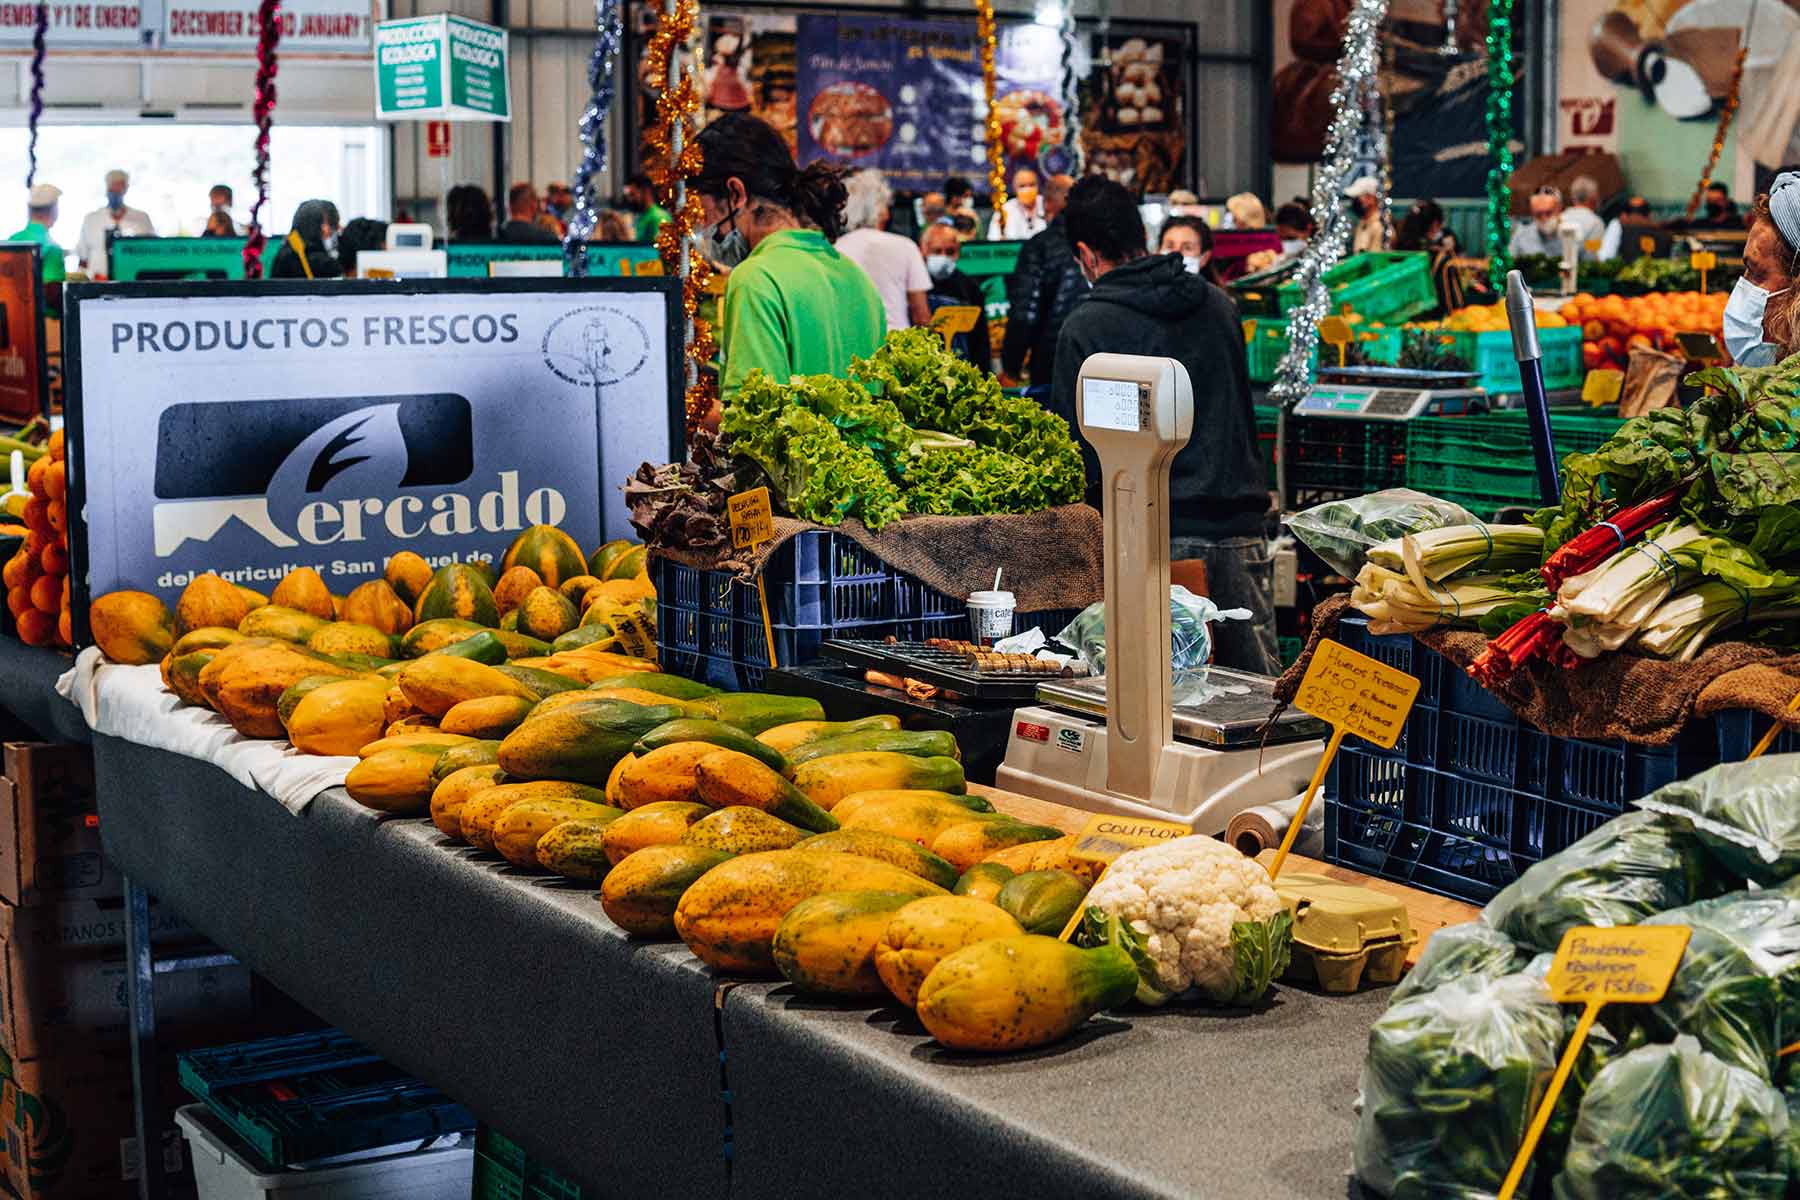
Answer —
1583 214
559 201
1295 226
471 214
41 205
1190 238
1181 200
1022 216
522 211
933 209
1635 218
1719 212
117 218
1371 229
359 235
218 225
218 203
640 199
891 262
1760 325
1045 286
949 286
1218 493
793 304
611 225
1540 235
1422 229
959 196
1245 211
310 249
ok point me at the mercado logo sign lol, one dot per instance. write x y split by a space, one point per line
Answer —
441 68
335 429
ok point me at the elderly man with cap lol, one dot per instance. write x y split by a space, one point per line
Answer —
1371 231
39 217
117 217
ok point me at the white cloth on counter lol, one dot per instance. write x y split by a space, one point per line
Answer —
131 703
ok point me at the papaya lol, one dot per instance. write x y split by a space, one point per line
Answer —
920 817
754 712
520 825
636 696
630 564
209 601
884 847
486 716
661 775
587 665
395 781
409 575
419 737
574 849
134 628
251 683
426 637
303 590
919 743
548 551
741 830
1016 993
636 594
850 805
543 683
825 945
659 824
921 935
252 597
984 881
417 723
641 893
222 659
576 588
378 606
796 734
485 568
578 697
601 561
547 614
458 592
398 707
210 637
972 841
519 646
337 717
1043 901
481 810
613 795
515 584
437 683
484 753
582 635
579 742
350 638
455 790
281 623
717 733
726 777
675 687
828 780
184 675
484 647
1049 856
728 917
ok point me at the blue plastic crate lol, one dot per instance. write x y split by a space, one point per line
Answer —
1740 730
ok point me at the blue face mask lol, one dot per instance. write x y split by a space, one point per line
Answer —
115 200
1744 325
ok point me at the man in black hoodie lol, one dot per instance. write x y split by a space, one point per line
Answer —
1218 493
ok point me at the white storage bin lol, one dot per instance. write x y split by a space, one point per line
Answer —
223 1170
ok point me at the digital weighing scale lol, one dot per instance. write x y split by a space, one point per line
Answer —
1391 394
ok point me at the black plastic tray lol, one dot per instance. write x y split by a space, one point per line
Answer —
916 660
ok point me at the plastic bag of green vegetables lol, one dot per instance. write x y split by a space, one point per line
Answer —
1630 868
1341 531
1746 814
1471 951
1190 642
1674 1121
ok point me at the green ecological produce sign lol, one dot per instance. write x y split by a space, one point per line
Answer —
471 259
441 68
141 259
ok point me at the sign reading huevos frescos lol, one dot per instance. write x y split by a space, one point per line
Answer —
251 428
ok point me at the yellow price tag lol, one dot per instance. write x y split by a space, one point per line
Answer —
1602 386
752 519
1592 245
1334 331
1104 838
1703 260
1594 967
1647 244
1354 694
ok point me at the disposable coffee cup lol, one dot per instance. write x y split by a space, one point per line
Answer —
990 616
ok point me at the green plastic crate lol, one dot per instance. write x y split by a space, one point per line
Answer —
1268 418
1266 341
1388 286
1289 649
503 1171
1485 463
1490 355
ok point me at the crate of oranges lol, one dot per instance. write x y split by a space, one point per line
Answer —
37 574
1612 326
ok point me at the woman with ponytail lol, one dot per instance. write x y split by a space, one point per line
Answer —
793 304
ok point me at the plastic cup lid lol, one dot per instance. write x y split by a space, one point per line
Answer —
989 598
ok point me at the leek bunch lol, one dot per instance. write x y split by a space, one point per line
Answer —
1456 575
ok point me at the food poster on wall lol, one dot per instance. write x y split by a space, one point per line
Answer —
1028 93
750 68
1134 129
21 349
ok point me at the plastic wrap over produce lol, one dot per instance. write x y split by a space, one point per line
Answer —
1190 639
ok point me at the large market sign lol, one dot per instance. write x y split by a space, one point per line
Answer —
441 68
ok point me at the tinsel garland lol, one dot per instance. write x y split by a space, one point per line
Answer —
1071 95
268 37
1719 135
609 31
675 158
1501 83
1356 71
996 147
39 30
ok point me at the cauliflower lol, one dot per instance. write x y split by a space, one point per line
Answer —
1193 912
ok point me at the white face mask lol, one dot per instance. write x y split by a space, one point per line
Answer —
1292 245
1548 228
940 266
1744 325
1190 263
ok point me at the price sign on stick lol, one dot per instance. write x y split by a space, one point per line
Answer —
1703 261
1602 386
1104 838
1354 694
1594 967
752 520
1335 331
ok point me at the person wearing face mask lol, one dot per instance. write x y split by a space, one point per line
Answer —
1371 231
949 286
1295 226
1539 234
1760 328
1422 229
1190 238
116 217
1218 491
1022 216
218 200
793 304
1044 288
1635 218
891 261
1719 212
310 249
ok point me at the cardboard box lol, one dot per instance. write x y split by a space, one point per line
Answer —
49 829
64 979
68 1126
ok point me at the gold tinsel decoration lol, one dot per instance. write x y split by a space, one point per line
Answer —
678 108
1719 135
996 155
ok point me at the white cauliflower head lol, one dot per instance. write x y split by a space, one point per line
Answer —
1184 896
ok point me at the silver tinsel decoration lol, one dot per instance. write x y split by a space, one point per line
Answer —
1357 75
608 34
1071 93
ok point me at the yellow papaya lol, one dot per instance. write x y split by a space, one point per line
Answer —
613 795
348 637
728 777
984 881
303 589
575 849
576 589
520 825
465 754
546 614
418 737
252 682
456 790
209 601
825 781
740 830
377 605
515 584
210 637
826 943
395 781
486 716
795 734
483 809
641 893
1053 855
972 841
281 623
659 824
437 683
338 718
1017 993
916 816
925 932
134 628
662 775
408 574
184 675
885 847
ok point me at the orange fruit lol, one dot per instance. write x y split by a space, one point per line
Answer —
56 485
36 628
54 560
34 476
65 629
58 516
34 515
18 600
55 446
46 593
13 574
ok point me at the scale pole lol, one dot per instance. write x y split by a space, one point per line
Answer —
1521 314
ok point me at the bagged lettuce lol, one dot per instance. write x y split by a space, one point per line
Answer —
1473 951
1746 814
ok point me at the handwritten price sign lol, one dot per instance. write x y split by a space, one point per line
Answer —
752 519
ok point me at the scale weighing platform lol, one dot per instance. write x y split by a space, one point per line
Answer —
1391 394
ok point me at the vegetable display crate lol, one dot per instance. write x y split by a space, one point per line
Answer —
1740 730
1485 462
503 1171
1471 795
1345 457
1386 286
311 1096
1490 355
820 585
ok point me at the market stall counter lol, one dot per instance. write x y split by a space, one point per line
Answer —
28 691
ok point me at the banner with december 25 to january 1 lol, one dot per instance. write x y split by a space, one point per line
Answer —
250 428
307 26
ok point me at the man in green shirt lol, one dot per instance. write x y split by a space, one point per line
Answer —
640 198
40 216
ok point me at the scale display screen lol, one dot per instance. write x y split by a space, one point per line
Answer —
1113 404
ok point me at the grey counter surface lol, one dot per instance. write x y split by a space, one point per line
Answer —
28 677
